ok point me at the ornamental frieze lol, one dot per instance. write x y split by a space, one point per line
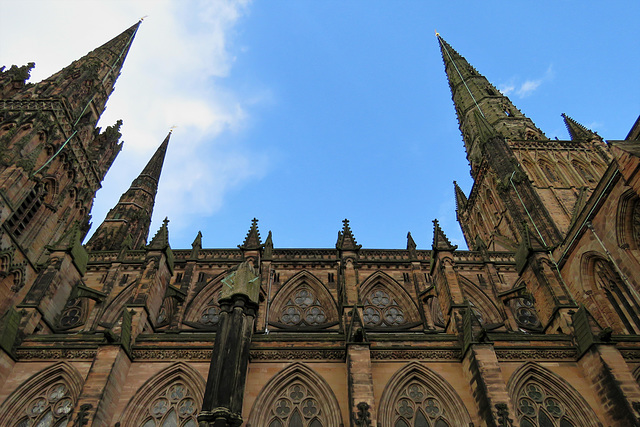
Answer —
288 354
536 354
415 354
172 354
55 353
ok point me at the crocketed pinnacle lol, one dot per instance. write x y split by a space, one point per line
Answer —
252 241
440 240
161 238
346 240
461 198
87 83
576 130
473 94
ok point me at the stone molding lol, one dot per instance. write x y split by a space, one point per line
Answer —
55 353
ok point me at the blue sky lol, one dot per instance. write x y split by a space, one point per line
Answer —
303 113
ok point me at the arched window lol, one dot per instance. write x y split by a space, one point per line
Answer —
296 397
628 221
387 305
618 295
584 172
418 397
544 400
45 400
171 398
303 302
549 171
525 314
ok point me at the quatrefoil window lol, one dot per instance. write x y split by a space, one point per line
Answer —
537 407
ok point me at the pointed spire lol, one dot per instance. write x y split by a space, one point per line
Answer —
576 130
252 241
161 238
440 240
87 83
461 198
473 94
411 246
197 242
132 214
346 240
268 247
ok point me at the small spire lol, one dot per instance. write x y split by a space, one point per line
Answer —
576 130
268 247
197 242
252 241
346 240
440 240
461 198
411 246
161 239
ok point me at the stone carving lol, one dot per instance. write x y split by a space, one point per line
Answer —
415 354
55 354
297 355
362 417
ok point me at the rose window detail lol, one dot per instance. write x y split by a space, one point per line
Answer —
296 407
51 408
417 407
381 310
174 406
538 407
303 309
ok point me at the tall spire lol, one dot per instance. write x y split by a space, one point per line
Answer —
472 93
461 198
132 214
86 84
577 131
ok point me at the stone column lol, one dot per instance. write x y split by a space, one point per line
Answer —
223 397
362 402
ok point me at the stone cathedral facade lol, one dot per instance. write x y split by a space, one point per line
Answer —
537 325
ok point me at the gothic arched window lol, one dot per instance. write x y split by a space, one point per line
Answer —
296 397
381 309
171 398
73 313
45 400
303 309
583 171
544 400
418 397
618 295
551 174
628 221
210 315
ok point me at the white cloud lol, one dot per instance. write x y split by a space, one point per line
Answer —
528 87
174 75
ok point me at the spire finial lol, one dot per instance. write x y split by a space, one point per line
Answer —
440 240
252 241
346 240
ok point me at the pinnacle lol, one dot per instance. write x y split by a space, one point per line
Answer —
346 240
252 241
461 198
161 239
197 242
440 240
576 130
153 169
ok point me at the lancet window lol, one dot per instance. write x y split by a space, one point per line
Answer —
550 173
50 408
21 218
538 407
174 406
382 310
303 309
583 171
297 407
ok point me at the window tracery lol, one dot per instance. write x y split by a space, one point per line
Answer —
174 406
303 309
618 295
297 407
210 314
525 313
50 408
540 407
551 175
382 310
418 408
73 314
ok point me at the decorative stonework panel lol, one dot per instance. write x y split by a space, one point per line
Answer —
174 406
51 408
296 406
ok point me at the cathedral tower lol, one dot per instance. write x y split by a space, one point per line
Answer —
520 176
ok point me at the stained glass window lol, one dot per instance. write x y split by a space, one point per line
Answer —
49 409
296 407
72 313
174 406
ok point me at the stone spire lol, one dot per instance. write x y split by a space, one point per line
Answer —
461 198
577 131
252 241
86 84
472 92
346 240
161 238
440 240
132 214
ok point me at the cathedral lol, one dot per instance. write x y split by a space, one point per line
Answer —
538 324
